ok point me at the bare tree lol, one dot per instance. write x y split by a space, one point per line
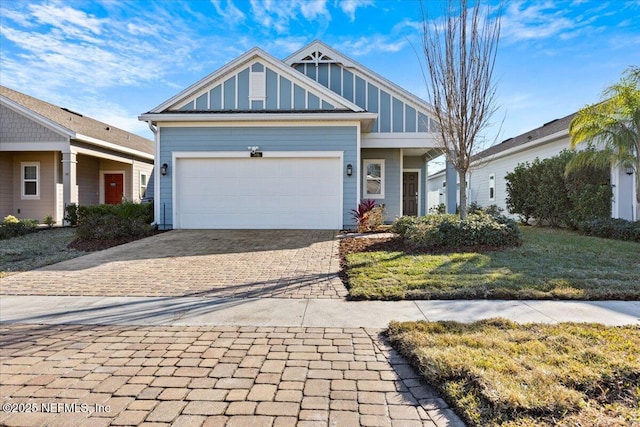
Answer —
460 51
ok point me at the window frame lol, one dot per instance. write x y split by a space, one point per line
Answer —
492 187
24 180
365 179
142 195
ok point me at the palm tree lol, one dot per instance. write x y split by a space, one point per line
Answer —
612 128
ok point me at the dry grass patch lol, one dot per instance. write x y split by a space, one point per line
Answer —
36 250
496 372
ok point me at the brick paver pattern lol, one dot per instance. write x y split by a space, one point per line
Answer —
209 376
214 263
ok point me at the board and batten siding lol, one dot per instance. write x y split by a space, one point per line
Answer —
392 177
286 138
233 94
394 114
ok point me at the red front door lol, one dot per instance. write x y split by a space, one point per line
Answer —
113 188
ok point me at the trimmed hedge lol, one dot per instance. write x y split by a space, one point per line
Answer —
611 228
449 231
102 222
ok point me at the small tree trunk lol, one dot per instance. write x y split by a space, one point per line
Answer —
463 194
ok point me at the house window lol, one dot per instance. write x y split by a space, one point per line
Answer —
492 187
143 185
30 180
374 179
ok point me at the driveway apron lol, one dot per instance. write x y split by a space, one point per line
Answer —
216 263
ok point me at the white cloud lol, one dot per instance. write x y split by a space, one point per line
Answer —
278 15
367 44
349 7
231 14
535 21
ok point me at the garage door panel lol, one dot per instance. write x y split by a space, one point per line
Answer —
259 193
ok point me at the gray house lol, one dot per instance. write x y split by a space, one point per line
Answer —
298 143
51 156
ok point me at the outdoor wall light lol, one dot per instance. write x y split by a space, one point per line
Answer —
629 171
349 169
163 169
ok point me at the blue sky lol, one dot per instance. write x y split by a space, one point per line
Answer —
115 59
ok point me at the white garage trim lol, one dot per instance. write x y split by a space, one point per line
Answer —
327 218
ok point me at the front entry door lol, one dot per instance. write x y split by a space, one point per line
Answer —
113 188
410 193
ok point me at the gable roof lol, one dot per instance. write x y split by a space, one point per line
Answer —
218 76
75 125
529 138
338 57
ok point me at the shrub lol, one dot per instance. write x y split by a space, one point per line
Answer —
439 209
14 227
611 228
543 191
368 216
106 222
71 214
448 230
401 224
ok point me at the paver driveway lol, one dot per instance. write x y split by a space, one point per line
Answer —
220 263
209 376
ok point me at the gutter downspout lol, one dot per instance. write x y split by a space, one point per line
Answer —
156 175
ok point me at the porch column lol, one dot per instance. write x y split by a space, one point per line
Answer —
451 177
69 188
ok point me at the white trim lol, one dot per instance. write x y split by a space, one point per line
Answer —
176 155
241 154
257 123
366 162
23 180
34 146
146 174
527 145
492 186
357 166
419 188
114 172
98 154
112 146
41 120
399 140
247 59
401 176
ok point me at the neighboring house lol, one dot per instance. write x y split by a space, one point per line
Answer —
264 143
51 157
487 184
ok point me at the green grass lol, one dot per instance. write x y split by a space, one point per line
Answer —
551 263
496 372
36 250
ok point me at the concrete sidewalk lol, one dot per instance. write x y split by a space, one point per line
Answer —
191 311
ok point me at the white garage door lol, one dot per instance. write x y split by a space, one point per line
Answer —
267 192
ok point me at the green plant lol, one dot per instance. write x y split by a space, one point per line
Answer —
13 227
49 221
543 191
71 214
448 230
368 215
611 228
114 221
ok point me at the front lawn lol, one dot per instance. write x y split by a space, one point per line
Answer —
550 264
497 373
36 250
